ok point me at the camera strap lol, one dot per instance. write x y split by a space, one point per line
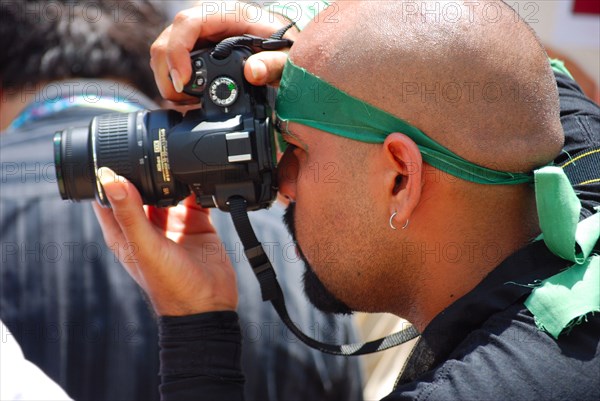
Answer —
275 42
271 291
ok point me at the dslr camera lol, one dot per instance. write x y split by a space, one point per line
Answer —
223 149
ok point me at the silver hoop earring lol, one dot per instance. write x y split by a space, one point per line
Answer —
405 224
392 220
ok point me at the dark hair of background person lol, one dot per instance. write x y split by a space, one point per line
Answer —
44 41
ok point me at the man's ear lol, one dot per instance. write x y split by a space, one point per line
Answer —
404 180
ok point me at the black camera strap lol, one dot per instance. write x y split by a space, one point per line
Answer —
271 291
275 42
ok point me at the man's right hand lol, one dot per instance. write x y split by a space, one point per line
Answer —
173 253
211 22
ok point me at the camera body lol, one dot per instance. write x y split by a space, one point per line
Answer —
223 149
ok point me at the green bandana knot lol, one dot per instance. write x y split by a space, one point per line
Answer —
558 302
563 300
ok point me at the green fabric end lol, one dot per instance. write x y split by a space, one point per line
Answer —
558 212
308 100
559 66
561 301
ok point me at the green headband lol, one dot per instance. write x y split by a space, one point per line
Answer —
308 100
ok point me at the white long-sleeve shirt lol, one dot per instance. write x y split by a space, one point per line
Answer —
19 378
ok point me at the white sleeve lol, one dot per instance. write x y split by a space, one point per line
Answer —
21 379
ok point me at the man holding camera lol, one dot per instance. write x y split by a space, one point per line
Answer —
72 309
433 127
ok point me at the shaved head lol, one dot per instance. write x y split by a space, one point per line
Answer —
474 78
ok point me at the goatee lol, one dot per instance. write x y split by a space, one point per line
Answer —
315 290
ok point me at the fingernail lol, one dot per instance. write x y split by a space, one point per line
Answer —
258 69
176 78
112 184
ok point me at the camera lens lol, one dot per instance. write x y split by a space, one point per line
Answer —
128 146
74 171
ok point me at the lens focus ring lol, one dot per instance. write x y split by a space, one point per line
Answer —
115 145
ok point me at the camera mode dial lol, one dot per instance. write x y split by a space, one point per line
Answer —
223 91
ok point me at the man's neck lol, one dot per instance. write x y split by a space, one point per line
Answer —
457 252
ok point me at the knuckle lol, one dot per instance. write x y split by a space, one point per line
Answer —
157 49
182 17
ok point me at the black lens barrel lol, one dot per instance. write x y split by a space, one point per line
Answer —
129 144
74 169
